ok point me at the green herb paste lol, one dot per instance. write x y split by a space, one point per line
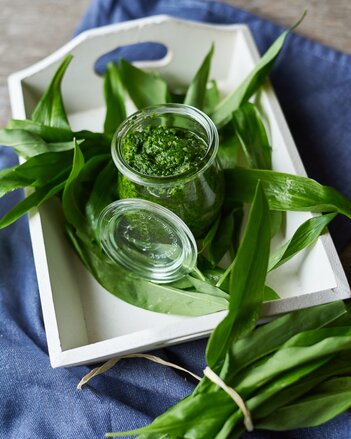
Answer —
162 151
159 151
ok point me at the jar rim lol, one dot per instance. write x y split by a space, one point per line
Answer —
136 118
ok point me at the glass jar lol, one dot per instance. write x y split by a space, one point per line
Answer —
195 195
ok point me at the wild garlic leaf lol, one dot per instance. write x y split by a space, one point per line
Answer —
233 426
80 245
252 136
35 199
47 133
340 364
71 210
306 235
229 147
212 97
114 99
329 399
222 113
345 319
62 146
286 380
208 238
248 274
268 338
196 93
289 388
54 135
27 144
144 88
270 294
47 172
213 275
285 191
23 142
50 110
223 239
277 219
10 180
37 171
223 236
75 194
138 292
205 287
301 349
203 418
103 193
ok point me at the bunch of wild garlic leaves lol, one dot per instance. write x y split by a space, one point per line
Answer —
292 372
77 168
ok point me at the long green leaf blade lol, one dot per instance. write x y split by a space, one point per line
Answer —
337 366
27 144
229 148
270 294
226 238
306 235
33 200
252 135
37 171
196 92
205 287
138 292
222 236
70 207
203 418
235 421
144 88
285 191
54 135
268 338
246 287
251 83
103 193
50 110
212 97
10 180
23 142
45 132
210 235
304 347
114 99
328 400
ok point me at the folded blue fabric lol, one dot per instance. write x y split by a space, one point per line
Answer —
313 84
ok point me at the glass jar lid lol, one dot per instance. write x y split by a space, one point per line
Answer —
147 239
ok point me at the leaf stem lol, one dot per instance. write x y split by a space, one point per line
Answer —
224 275
198 274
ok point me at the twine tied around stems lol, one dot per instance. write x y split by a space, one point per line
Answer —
208 372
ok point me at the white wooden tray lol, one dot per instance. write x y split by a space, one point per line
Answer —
85 323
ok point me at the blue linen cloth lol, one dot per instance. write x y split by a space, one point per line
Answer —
313 84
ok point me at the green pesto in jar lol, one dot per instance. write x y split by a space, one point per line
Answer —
163 151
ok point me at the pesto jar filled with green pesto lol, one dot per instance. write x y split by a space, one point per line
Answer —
167 154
